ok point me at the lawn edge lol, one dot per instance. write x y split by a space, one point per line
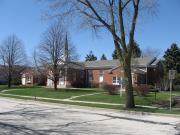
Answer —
85 105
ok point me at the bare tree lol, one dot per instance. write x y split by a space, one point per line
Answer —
53 52
118 17
12 55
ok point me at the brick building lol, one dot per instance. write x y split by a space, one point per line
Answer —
94 73
144 71
30 77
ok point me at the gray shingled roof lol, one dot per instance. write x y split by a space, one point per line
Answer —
101 64
75 65
137 62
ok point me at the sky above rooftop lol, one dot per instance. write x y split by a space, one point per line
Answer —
24 18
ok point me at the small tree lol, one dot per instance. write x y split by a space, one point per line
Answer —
54 52
103 57
172 58
51 51
12 55
90 57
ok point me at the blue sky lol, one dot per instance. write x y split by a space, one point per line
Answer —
24 18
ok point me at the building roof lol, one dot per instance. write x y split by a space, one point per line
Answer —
75 65
136 62
101 64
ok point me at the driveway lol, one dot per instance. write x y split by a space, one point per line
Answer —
20 117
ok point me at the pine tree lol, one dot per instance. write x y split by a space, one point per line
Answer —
90 57
172 58
103 57
136 52
114 55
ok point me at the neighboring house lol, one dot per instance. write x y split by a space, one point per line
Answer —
30 77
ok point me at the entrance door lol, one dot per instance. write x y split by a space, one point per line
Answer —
101 74
101 78
23 81
61 81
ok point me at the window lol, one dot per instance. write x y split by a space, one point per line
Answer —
28 79
116 80
90 72
101 78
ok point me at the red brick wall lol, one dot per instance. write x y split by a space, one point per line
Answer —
107 75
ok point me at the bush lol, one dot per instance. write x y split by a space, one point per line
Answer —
142 90
77 84
112 89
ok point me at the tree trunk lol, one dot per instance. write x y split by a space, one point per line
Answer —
129 87
9 79
55 83
56 77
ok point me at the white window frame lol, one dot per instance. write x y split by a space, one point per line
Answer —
29 79
101 76
116 80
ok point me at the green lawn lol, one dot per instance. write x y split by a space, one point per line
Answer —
51 93
102 97
3 87
140 100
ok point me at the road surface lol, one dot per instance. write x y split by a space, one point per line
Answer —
18 117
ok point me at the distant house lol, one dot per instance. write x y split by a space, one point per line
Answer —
30 77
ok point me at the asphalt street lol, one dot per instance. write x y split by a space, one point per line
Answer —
18 117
